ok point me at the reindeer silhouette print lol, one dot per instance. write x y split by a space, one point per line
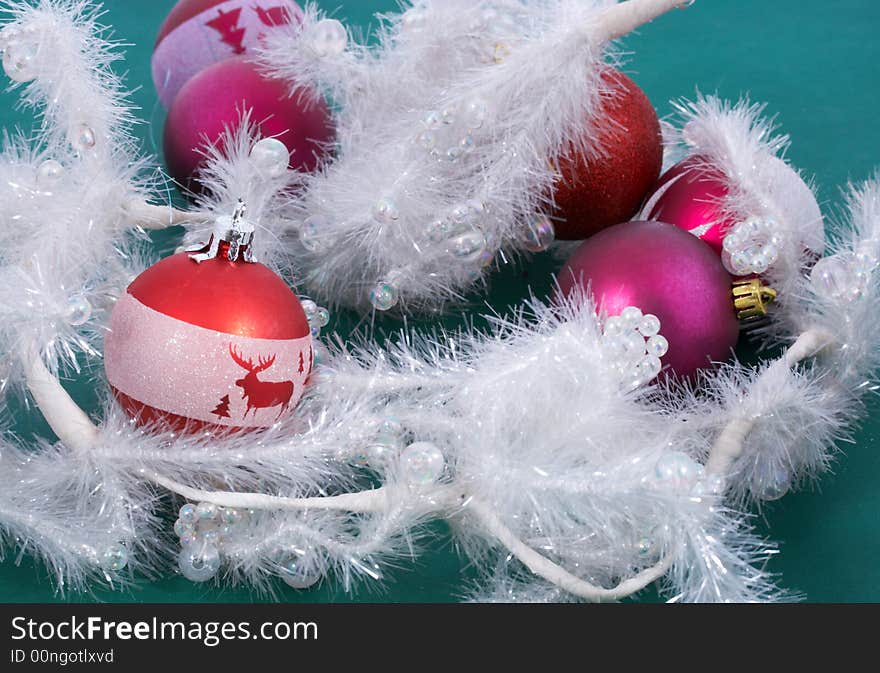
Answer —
261 394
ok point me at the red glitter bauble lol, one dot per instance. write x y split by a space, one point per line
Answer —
592 194
212 102
219 343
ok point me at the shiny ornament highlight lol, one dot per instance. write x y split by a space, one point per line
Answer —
596 192
667 273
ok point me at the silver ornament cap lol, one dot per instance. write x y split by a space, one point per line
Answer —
232 239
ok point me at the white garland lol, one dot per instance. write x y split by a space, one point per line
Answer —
562 474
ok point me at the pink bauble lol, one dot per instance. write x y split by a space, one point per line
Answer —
665 271
212 102
690 195
199 33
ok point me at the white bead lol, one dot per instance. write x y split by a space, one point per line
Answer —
310 308
181 527
772 484
207 511
678 470
475 112
468 247
614 325
650 325
427 139
658 346
115 558
432 120
322 317
312 233
49 172
740 262
712 484
438 230
461 214
634 345
866 259
631 317
328 37
384 296
19 60
832 278
188 514
199 563
540 234
271 158
422 463
82 138
78 311
299 573
648 368
385 210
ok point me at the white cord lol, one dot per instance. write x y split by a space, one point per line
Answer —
729 445
149 216
618 20
543 567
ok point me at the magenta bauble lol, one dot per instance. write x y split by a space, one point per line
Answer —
691 195
212 102
665 271
199 33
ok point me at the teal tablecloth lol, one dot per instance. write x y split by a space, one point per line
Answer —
816 65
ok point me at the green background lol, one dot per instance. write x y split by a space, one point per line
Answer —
816 65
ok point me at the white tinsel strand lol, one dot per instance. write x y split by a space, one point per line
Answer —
63 259
447 143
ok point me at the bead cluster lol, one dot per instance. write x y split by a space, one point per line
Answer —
633 343
846 276
318 316
751 247
447 134
203 529
376 445
683 475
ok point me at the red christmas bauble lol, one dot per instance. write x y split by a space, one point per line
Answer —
592 194
217 343
212 102
691 195
664 271
199 33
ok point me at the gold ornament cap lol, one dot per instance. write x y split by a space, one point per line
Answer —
751 298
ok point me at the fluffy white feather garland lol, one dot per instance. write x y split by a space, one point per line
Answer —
448 134
560 477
